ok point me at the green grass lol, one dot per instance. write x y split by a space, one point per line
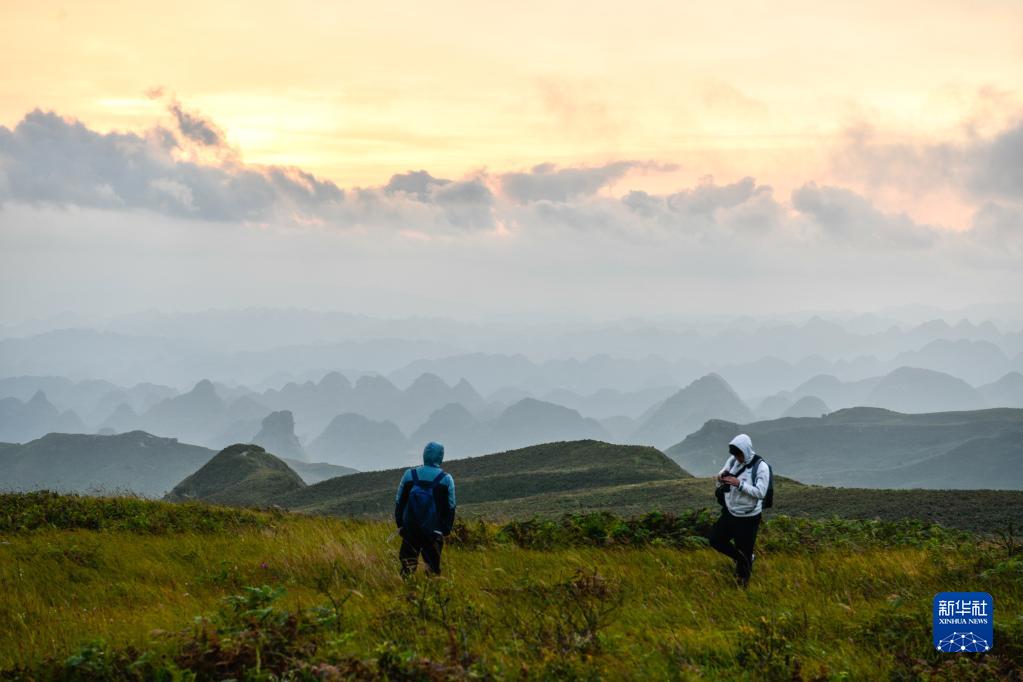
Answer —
582 597
975 510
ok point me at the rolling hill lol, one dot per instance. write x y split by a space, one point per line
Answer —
552 468
876 448
242 475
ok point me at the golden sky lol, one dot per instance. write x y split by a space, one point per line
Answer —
355 92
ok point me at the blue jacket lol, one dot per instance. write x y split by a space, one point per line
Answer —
444 493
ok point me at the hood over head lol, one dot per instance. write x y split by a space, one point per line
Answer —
744 443
433 454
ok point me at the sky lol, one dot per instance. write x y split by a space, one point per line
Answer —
473 159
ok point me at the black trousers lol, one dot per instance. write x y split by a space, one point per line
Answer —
734 536
413 546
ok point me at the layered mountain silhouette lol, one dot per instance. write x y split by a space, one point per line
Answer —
136 461
277 435
709 397
25 421
315 405
1006 392
242 474
201 416
875 448
364 444
910 389
361 443
807 406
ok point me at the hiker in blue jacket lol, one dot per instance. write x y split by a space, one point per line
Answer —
744 492
424 510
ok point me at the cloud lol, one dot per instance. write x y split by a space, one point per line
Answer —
196 128
547 182
999 227
842 215
50 160
996 165
47 159
981 168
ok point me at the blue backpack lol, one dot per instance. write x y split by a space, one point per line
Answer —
421 509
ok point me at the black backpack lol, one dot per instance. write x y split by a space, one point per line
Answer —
719 493
769 497
421 515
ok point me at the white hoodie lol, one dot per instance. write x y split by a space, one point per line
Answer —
746 499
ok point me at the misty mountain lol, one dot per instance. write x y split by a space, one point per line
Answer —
775 405
910 389
314 472
242 474
192 417
532 421
203 417
277 435
1006 392
709 397
139 398
973 361
121 420
872 447
137 462
609 402
129 358
355 441
807 406
836 393
24 421
65 394
462 434
314 405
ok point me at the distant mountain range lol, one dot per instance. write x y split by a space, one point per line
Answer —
136 462
875 448
254 346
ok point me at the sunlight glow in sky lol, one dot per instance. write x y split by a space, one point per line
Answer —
632 153
357 92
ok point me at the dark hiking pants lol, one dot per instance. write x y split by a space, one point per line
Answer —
734 536
414 545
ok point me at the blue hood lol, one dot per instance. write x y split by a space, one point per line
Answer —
433 454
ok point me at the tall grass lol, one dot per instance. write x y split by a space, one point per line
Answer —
601 597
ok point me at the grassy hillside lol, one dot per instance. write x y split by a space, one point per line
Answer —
241 474
551 468
985 511
875 448
587 598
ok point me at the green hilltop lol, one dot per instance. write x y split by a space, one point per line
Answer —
551 469
241 474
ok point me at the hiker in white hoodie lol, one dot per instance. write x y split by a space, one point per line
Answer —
747 478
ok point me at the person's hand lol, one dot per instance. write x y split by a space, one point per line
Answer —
730 480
